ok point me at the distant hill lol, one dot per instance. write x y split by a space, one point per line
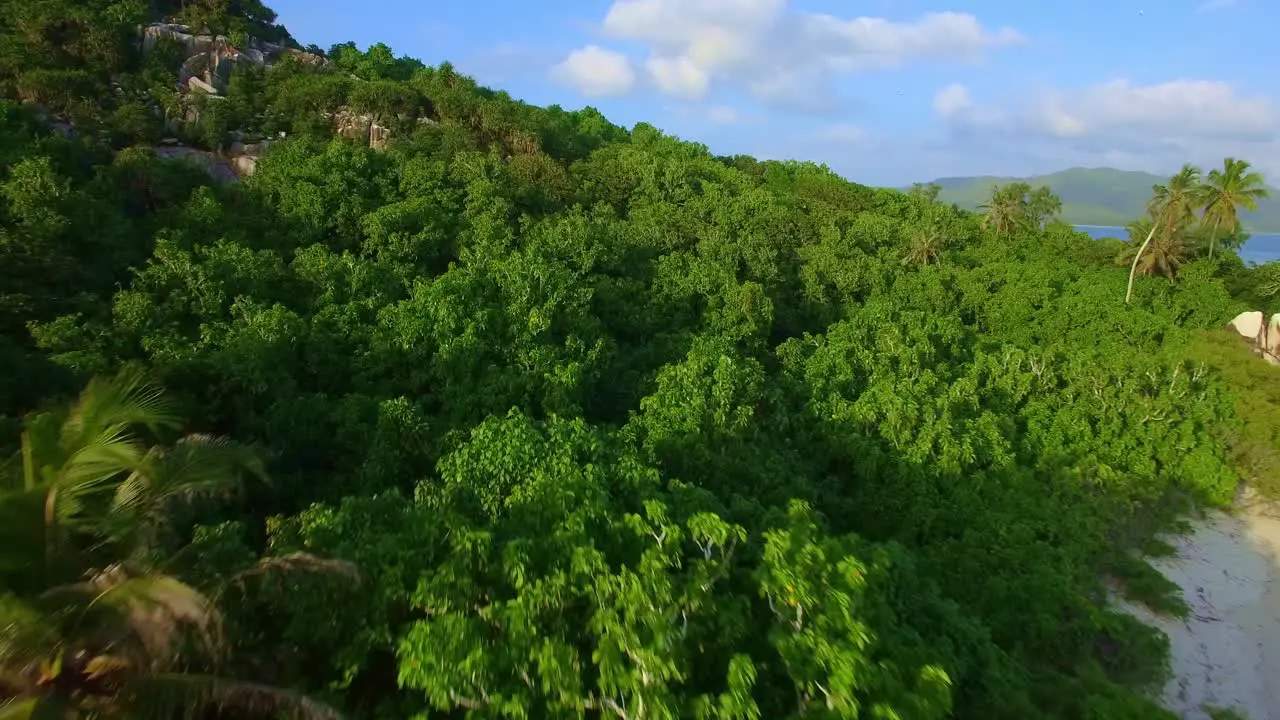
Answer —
1096 196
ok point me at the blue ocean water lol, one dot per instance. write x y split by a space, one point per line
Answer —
1259 248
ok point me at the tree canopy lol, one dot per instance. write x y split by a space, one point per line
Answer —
609 425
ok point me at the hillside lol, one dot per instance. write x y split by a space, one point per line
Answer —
1096 196
384 394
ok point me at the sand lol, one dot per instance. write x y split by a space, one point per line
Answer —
1227 652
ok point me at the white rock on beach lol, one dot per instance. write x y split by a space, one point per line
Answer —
1227 652
1249 324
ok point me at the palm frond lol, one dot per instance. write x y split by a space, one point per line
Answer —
80 452
1138 230
186 695
150 609
195 466
300 562
176 598
127 399
102 666
156 607
925 247
1234 185
93 466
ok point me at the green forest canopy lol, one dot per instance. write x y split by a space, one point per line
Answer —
1096 196
572 420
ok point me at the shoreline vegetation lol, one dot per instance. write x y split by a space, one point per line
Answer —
446 405
1188 213
1098 196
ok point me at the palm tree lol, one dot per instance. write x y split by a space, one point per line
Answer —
90 624
1139 229
1003 211
1227 190
925 247
1179 200
96 480
111 645
1172 209
1162 255
1151 226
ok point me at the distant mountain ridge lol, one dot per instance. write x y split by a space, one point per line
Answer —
1096 196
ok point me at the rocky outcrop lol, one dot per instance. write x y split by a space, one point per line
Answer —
57 123
210 59
363 128
352 125
379 136
243 157
1263 336
1248 324
238 161
217 167
1271 340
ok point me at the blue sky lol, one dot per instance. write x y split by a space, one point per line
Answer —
883 91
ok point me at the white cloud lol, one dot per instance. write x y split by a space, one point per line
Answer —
951 99
781 55
680 77
1146 127
596 72
866 43
712 31
1177 107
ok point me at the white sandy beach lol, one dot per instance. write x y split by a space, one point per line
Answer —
1227 652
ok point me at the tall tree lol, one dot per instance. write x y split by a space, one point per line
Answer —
1042 206
1177 201
928 191
1172 209
1018 205
1003 212
1165 253
1225 191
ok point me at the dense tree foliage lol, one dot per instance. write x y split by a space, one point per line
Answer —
1188 215
610 426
